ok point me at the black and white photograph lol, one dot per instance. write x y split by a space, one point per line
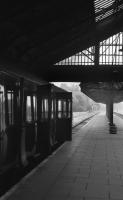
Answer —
61 100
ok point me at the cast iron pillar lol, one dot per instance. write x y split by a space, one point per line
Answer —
109 111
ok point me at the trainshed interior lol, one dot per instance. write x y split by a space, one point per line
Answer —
36 37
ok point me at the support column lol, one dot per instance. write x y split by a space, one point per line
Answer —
109 111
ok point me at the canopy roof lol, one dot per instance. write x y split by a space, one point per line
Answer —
34 36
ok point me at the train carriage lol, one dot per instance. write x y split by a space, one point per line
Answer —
34 119
53 127
61 114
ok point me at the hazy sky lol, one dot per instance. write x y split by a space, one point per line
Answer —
117 107
68 83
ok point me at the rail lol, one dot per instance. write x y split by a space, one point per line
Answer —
118 114
79 117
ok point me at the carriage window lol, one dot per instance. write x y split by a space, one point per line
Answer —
59 108
35 107
52 111
45 109
31 108
28 109
10 100
69 108
2 109
62 108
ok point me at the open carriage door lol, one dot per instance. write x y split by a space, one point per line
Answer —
43 122
64 117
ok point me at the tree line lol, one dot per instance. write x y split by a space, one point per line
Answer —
81 102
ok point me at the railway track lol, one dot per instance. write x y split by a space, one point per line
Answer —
81 123
118 114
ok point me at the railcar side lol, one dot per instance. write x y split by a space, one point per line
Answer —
34 119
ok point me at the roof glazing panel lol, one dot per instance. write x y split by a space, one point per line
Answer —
107 52
105 8
85 57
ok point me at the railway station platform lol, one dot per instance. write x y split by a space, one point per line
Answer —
88 168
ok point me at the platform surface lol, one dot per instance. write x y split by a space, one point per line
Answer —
88 168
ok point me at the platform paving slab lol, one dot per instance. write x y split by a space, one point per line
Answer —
88 168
